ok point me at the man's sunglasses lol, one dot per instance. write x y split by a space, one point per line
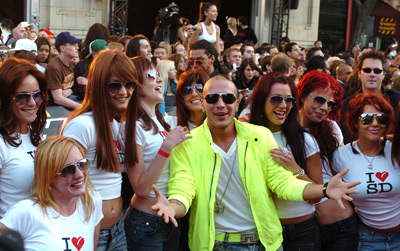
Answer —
70 169
367 118
278 99
319 101
187 90
213 98
197 61
376 70
23 98
115 87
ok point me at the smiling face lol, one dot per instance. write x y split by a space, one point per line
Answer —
211 13
119 101
172 73
151 91
73 186
314 112
26 114
372 132
144 48
277 115
193 100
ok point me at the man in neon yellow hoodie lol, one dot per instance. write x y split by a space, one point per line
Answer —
225 174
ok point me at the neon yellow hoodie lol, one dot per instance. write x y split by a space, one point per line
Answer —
194 172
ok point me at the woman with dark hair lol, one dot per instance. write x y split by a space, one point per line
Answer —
96 31
296 70
370 117
316 63
110 91
189 93
206 28
155 139
23 95
247 75
274 106
320 102
43 55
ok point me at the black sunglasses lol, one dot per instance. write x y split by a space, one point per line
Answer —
114 87
70 169
376 70
278 99
23 98
367 118
213 98
187 90
197 61
318 100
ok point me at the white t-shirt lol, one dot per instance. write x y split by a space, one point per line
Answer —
53 232
210 38
290 209
235 202
83 130
150 144
378 200
17 172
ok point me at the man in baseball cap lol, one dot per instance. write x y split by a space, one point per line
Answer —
25 48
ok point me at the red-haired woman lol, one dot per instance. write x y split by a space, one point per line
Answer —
23 94
320 101
371 117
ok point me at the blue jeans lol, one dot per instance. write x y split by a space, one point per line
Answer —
113 238
341 235
148 232
303 236
374 240
229 246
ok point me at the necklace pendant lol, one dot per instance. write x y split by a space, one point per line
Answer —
370 166
218 208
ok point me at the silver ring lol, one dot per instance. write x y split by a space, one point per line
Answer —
285 151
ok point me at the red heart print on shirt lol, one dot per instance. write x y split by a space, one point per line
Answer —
382 175
78 242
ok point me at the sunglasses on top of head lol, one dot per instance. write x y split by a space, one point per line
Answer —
367 118
369 70
114 87
278 99
23 98
318 100
187 90
70 169
213 98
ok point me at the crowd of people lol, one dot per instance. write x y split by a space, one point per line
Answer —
209 143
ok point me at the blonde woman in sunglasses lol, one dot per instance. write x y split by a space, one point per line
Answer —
23 99
64 212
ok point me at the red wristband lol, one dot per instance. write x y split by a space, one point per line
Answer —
162 153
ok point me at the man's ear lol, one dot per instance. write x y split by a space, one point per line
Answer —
212 58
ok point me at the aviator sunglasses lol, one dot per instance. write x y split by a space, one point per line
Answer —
70 169
197 61
278 99
187 90
376 70
213 98
114 87
318 100
23 98
367 118
152 74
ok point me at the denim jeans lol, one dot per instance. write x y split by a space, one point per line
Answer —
113 238
303 236
374 240
341 235
229 246
148 232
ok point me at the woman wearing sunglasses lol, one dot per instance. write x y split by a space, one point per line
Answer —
320 101
167 71
189 93
274 106
110 91
154 142
371 117
64 212
23 96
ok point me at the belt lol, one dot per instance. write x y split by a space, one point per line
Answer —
243 238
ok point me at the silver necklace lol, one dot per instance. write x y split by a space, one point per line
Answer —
369 161
218 207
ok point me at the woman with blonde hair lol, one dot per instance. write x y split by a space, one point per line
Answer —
230 32
181 64
167 71
64 210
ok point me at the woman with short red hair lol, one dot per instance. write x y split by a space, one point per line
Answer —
369 158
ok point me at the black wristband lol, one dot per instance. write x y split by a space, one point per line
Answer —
324 190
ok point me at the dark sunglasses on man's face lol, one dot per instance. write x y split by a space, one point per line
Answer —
70 169
198 61
213 98
23 98
187 90
376 70
367 118
278 99
113 88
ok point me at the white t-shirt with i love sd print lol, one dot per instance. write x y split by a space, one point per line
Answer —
378 201
16 165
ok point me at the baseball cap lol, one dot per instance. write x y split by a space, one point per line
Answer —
26 24
25 45
66 37
97 45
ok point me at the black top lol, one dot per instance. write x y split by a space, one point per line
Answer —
245 34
